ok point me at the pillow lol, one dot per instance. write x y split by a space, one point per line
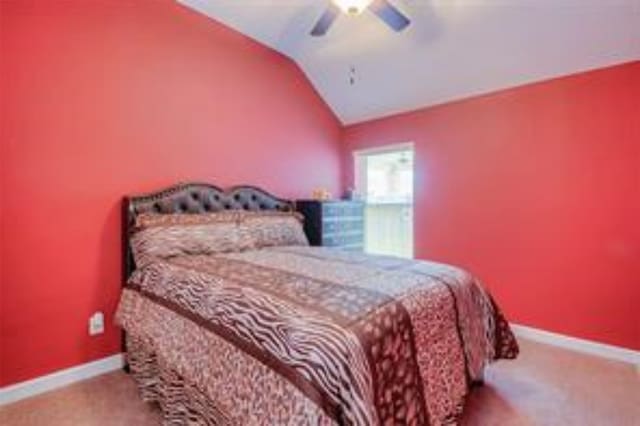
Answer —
268 229
158 237
149 220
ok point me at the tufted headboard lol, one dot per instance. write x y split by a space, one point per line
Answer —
192 198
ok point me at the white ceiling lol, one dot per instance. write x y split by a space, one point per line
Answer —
453 48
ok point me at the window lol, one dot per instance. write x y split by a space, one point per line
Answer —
384 177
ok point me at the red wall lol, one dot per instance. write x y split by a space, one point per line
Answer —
537 191
105 98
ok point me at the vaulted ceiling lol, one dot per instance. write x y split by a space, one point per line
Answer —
453 48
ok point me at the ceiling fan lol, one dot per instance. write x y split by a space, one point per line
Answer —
381 8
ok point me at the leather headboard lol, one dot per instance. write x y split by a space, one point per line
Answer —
193 198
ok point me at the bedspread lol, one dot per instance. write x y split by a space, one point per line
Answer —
309 335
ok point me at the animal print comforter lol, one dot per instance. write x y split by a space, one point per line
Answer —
308 335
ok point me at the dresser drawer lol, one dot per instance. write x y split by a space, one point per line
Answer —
342 238
331 210
342 225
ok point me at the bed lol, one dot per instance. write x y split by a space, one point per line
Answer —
267 330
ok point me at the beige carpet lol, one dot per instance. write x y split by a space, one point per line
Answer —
545 386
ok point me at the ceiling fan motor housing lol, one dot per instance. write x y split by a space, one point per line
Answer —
352 7
382 8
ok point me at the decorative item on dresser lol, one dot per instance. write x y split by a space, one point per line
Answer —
333 223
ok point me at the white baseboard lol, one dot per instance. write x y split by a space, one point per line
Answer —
60 378
65 377
581 345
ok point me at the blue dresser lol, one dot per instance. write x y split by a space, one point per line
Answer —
334 223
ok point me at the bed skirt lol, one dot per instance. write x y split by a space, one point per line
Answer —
181 402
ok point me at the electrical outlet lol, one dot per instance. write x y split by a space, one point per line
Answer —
96 323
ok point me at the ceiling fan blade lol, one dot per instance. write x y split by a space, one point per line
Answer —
325 21
390 14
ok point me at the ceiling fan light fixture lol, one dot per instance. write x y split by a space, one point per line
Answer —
352 7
